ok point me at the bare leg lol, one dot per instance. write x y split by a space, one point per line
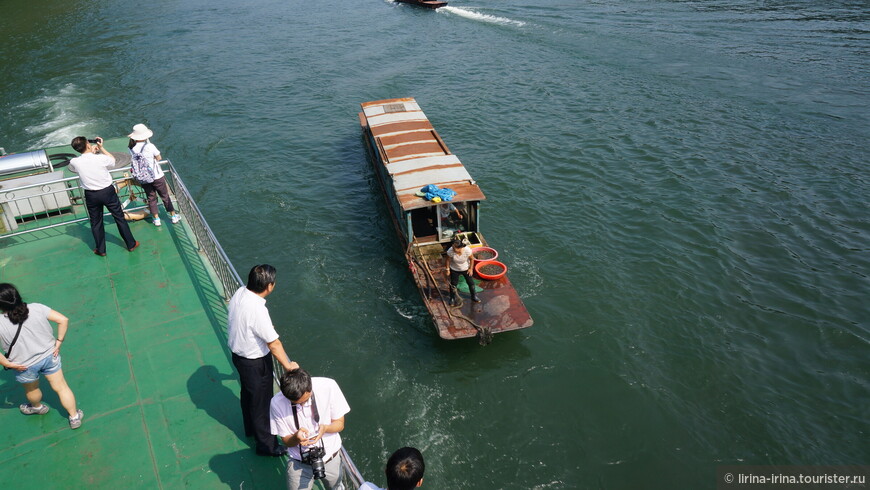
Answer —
67 398
33 394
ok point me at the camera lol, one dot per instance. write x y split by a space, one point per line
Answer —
94 141
314 457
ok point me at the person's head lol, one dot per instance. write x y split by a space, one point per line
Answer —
458 243
405 469
261 277
296 385
80 144
12 304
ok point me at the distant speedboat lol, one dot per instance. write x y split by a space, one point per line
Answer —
429 4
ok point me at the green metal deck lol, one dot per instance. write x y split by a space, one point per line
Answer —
146 358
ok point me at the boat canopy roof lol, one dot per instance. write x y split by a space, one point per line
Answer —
414 154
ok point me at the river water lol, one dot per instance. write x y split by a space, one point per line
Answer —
679 188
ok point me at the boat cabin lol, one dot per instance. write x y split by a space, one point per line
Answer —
411 155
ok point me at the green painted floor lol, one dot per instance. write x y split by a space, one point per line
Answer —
146 358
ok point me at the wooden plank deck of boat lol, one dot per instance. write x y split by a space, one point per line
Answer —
147 360
494 311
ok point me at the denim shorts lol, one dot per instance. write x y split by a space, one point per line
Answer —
48 365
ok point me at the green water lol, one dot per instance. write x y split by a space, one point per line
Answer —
680 191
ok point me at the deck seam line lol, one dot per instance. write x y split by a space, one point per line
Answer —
136 385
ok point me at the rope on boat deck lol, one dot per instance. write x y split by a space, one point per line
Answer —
484 334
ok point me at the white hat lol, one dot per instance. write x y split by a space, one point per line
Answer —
141 132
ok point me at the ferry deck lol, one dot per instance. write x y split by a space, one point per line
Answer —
145 353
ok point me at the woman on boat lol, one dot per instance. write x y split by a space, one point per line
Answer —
29 347
140 147
460 262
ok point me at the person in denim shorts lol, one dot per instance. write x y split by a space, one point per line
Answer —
29 347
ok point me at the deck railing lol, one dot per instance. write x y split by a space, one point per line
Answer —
44 205
39 206
206 242
351 477
48 204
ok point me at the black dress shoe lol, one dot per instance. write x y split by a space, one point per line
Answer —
101 254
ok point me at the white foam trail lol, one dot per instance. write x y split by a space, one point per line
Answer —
61 116
470 14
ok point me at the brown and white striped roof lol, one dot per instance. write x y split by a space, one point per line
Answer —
414 153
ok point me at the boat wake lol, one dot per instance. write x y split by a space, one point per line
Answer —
60 115
470 14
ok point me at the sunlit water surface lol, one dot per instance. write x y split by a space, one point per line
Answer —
680 190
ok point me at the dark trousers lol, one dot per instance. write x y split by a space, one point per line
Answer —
454 280
154 188
255 376
95 201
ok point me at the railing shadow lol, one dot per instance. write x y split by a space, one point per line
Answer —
208 393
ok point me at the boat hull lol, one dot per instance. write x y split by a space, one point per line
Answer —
429 4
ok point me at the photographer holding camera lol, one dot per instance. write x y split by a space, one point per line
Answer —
307 415
93 169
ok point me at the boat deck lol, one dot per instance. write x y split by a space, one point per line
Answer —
146 358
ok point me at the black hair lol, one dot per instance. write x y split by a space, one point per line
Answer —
295 384
79 144
260 277
133 143
12 304
404 469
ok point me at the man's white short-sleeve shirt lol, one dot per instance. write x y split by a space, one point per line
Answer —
92 170
331 405
250 328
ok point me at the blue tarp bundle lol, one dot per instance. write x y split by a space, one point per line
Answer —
432 191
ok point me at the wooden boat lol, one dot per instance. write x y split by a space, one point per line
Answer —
431 4
408 154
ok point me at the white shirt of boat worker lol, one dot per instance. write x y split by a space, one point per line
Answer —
331 406
459 261
150 152
93 170
249 328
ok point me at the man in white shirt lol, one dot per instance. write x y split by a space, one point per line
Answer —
253 340
307 415
93 169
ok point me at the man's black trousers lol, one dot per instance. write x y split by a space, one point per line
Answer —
255 376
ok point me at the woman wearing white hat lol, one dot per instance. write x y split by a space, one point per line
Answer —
143 150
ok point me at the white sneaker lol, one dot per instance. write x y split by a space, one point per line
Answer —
175 218
156 221
76 420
